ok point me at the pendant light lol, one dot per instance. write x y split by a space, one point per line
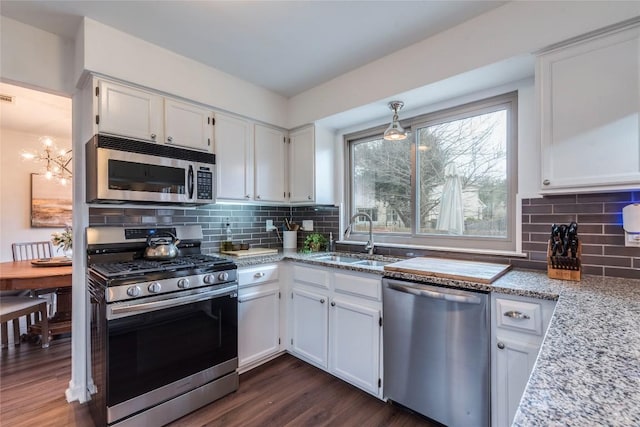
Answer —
395 132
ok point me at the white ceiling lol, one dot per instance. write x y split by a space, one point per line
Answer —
285 46
36 113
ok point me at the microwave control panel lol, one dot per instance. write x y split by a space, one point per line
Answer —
204 184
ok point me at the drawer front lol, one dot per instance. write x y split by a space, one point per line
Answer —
358 285
519 315
257 275
311 276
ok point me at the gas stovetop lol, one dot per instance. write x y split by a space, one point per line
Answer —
199 262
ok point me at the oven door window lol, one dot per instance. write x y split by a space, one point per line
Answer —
133 176
150 350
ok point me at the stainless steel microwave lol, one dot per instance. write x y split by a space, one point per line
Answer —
121 170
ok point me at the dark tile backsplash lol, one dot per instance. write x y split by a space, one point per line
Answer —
599 218
247 221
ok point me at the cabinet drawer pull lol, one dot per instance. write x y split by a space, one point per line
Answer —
169 139
546 182
322 301
333 303
500 345
153 136
259 275
516 315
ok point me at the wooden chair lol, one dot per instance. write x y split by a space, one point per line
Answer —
12 308
32 250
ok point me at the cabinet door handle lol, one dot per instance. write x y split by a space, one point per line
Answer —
321 300
240 301
169 138
153 136
500 345
333 303
309 197
258 197
258 275
516 315
247 196
546 182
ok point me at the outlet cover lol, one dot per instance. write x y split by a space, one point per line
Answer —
307 224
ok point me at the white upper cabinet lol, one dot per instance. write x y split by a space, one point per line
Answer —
270 155
187 125
311 172
589 100
302 165
139 114
234 158
126 111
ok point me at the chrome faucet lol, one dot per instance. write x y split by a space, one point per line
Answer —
369 246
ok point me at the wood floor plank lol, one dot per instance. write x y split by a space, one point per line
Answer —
283 392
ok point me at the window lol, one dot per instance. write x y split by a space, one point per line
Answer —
451 183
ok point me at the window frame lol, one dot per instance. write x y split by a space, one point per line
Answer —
507 101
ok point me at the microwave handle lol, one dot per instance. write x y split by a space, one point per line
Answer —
190 182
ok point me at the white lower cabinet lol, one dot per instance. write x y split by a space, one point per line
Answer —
310 326
259 315
518 328
354 352
335 323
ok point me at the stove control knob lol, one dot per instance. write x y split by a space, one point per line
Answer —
134 291
209 279
155 287
224 276
183 283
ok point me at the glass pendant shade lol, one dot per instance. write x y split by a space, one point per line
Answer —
395 132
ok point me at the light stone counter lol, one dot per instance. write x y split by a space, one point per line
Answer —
588 369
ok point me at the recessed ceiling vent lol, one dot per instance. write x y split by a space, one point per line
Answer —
7 98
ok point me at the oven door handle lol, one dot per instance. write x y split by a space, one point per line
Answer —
128 310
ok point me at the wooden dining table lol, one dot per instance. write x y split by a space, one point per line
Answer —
23 275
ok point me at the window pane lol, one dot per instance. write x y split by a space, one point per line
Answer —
462 176
382 184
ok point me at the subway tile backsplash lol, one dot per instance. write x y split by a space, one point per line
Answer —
247 221
599 218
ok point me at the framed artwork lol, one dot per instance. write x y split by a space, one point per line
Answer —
51 202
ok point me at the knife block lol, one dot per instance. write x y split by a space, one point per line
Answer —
564 267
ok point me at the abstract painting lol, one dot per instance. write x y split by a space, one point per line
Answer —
51 202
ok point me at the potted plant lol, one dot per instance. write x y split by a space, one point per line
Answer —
64 241
315 242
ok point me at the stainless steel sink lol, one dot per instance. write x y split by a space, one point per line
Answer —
338 258
372 263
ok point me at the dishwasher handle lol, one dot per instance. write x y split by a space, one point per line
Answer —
428 293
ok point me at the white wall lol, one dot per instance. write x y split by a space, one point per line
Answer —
35 58
517 28
120 55
15 191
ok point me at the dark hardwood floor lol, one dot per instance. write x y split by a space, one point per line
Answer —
283 392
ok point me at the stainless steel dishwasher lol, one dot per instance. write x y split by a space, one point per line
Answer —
436 352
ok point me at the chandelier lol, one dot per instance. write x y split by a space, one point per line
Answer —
55 161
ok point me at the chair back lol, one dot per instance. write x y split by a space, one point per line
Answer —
32 250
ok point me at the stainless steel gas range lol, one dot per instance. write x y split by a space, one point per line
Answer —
163 331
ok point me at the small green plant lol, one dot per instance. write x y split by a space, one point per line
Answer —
315 242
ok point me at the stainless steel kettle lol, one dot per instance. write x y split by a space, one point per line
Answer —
158 247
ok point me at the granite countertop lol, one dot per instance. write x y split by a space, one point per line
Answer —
588 369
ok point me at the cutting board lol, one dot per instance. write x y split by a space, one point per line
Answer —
481 272
250 252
